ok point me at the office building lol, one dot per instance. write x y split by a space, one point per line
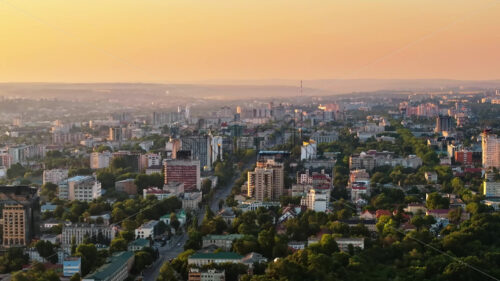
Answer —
55 176
100 160
183 171
102 234
20 213
83 188
266 181
491 150
200 149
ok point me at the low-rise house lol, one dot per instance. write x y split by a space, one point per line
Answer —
191 200
343 243
367 215
147 230
369 224
415 208
101 219
317 238
252 258
288 213
160 194
431 177
438 213
296 245
224 242
180 215
49 223
201 259
52 238
196 274
380 213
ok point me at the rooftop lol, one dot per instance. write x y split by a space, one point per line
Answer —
140 242
223 237
117 261
217 256
79 178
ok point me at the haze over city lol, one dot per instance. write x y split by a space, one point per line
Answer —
226 41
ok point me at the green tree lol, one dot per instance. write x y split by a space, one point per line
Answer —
46 250
142 259
106 178
117 245
167 273
75 277
88 253
49 190
15 171
436 201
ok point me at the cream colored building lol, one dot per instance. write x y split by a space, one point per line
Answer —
491 150
266 181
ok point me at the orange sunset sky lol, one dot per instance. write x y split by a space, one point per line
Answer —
203 40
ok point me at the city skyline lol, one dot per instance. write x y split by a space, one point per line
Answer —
193 41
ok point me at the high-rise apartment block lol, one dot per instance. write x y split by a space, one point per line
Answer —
20 214
118 134
443 124
266 181
183 171
100 160
171 148
55 176
200 149
491 150
83 188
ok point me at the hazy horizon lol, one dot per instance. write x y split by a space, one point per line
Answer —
197 41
